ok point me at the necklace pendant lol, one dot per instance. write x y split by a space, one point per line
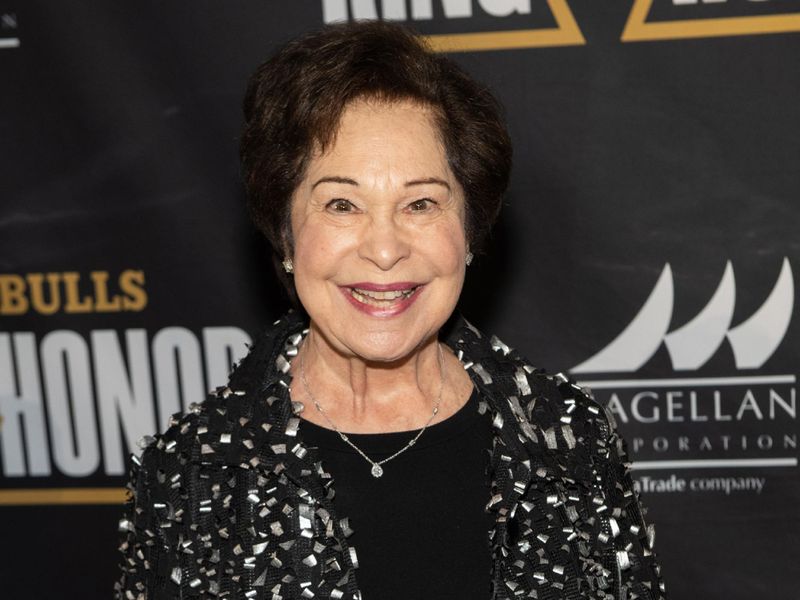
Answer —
376 471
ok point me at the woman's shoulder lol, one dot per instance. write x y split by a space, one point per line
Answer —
224 427
545 398
198 436
580 461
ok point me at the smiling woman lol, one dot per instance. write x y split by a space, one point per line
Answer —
373 418
379 258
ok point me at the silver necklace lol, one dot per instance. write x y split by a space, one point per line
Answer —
377 469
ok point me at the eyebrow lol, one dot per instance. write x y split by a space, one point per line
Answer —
348 181
427 181
335 179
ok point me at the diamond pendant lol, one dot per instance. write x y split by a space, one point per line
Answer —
376 471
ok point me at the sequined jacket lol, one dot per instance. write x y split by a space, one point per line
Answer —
229 503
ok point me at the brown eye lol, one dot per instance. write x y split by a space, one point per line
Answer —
421 205
340 205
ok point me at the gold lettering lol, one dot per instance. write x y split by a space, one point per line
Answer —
101 302
74 303
50 293
12 295
132 284
37 293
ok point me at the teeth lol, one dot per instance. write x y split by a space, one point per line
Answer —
382 295
378 298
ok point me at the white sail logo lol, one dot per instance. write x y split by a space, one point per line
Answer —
753 341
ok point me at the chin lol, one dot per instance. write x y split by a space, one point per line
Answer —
384 348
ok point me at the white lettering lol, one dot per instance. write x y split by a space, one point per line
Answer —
615 407
654 416
651 484
790 408
422 10
694 415
728 484
123 399
394 10
179 375
718 416
749 403
651 406
22 409
336 10
504 8
672 405
126 406
70 403
684 443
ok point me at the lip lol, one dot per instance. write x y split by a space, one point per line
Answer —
397 307
382 287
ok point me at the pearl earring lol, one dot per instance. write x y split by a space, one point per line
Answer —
287 265
468 258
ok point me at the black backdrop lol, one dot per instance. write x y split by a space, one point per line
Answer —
655 193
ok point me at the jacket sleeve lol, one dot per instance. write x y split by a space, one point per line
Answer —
150 568
625 539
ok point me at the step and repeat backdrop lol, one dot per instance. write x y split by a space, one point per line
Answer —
649 246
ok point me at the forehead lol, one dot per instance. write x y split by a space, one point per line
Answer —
401 135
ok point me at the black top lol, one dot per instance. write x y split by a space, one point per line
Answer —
429 505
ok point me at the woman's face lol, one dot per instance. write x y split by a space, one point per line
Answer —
378 227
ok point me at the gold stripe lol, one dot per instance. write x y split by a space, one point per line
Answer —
55 496
637 29
566 33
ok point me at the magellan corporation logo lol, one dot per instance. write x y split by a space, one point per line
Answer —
739 420
523 23
691 346
8 30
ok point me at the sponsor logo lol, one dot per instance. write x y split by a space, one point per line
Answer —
501 24
70 293
693 344
722 426
681 19
74 403
8 30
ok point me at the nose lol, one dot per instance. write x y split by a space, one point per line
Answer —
384 242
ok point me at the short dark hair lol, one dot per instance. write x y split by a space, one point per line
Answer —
294 102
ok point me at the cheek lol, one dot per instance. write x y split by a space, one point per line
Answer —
448 248
319 249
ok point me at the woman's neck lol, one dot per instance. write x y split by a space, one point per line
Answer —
359 396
